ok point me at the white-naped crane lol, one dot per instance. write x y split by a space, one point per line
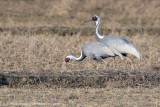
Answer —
120 44
96 51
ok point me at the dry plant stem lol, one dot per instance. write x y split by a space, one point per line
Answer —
114 59
63 68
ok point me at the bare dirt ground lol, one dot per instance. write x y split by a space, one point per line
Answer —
81 79
36 35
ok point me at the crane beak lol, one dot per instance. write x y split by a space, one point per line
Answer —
88 20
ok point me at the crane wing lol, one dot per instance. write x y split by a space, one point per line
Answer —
116 52
120 44
108 51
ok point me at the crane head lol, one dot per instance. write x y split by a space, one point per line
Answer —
67 59
94 18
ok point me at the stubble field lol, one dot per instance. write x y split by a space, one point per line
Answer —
36 35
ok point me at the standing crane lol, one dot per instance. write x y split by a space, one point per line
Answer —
95 50
121 44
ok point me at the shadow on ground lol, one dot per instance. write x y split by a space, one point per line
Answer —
80 79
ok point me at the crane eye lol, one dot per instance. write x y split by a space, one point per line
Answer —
67 59
94 18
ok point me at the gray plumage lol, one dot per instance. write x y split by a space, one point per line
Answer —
122 45
96 51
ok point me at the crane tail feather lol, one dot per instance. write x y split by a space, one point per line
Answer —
133 51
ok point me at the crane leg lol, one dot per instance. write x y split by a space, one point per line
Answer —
106 64
132 67
97 65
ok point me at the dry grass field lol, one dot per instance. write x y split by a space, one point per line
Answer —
36 35
86 97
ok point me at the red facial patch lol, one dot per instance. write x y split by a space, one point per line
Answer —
67 59
94 18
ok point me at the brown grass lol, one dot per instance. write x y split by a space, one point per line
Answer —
116 13
47 52
35 52
85 97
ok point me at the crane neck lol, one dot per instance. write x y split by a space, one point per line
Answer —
98 36
82 56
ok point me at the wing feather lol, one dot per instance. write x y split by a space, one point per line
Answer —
120 44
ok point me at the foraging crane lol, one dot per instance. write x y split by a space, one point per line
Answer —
95 50
121 44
